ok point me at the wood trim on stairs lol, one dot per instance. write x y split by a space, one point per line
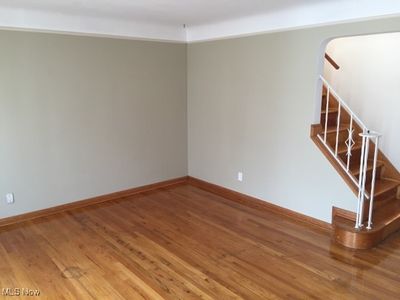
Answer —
332 61
258 203
343 213
91 201
315 129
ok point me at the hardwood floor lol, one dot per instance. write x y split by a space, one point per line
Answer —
186 243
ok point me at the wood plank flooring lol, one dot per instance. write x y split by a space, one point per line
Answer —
185 243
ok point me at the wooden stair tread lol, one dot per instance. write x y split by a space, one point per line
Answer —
342 148
388 213
346 234
331 110
383 185
355 169
333 129
378 224
384 217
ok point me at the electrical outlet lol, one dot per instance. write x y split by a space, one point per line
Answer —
240 176
10 198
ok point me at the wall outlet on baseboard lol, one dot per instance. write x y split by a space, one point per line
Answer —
240 176
10 198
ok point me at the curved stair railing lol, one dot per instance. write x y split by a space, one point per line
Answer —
368 139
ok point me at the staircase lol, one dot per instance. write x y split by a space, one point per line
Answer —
354 152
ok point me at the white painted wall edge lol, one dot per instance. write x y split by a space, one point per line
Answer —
317 14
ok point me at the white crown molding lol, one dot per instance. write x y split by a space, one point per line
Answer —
322 13
30 20
317 14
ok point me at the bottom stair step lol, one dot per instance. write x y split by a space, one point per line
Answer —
385 221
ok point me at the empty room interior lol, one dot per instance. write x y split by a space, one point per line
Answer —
194 149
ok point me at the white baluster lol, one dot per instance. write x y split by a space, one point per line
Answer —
360 181
371 200
364 179
349 143
337 129
327 112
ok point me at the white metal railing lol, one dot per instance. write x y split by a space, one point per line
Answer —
368 138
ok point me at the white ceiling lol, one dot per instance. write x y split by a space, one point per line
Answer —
172 12
164 19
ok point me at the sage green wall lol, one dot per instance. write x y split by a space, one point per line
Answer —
251 102
83 116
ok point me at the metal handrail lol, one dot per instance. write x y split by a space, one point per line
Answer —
367 136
